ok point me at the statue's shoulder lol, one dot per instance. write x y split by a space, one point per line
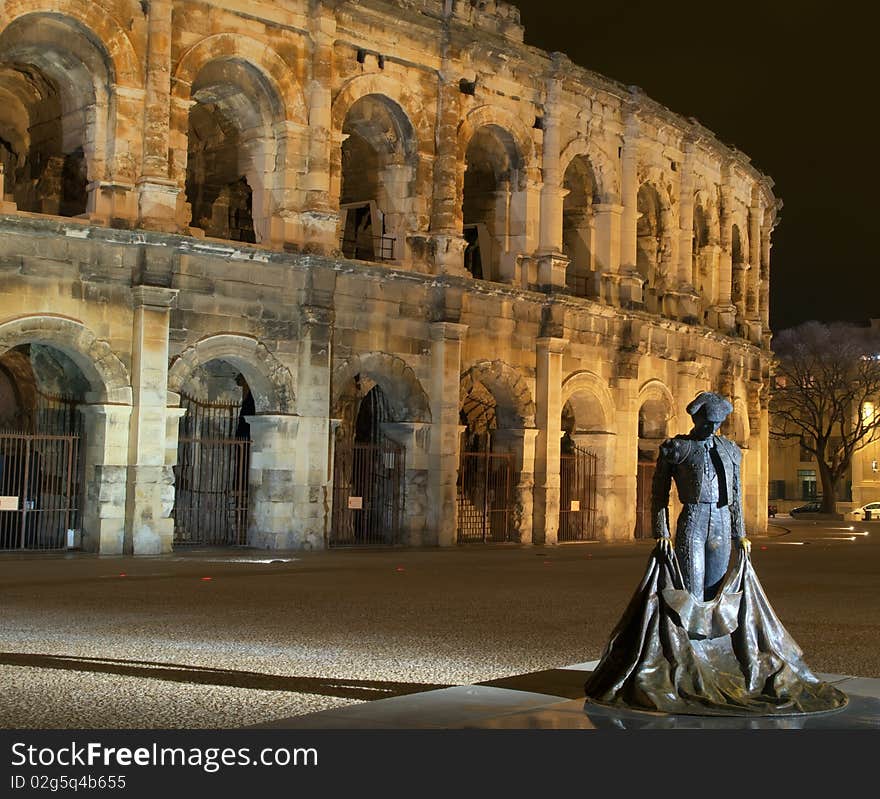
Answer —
731 447
676 450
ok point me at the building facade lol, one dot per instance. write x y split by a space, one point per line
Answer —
307 273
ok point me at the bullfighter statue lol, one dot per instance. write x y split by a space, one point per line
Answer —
699 637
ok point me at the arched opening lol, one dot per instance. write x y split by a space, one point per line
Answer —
578 473
41 450
368 470
649 241
493 209
232 151
579 183
211 499
653 430
55 111
378 171
487 468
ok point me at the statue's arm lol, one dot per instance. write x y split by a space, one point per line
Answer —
660 488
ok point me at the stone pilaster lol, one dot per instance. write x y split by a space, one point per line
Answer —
320 219
105 477
629 189
548 403
149 530
684 295
157 193
447 243
445 436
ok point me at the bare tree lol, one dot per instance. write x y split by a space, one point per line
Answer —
827 382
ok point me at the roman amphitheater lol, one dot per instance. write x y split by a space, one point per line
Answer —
314 273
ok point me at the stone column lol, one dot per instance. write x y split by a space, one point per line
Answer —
621 501
607 221
447 242
445 436
321 218
157 193
548 398
106 459
552 262
149 530
687 300
314 438
723 313
629 282
276 505
520 442
415 438
764 292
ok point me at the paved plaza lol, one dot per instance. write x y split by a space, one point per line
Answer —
240 638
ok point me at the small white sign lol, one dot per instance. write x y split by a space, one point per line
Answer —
8 503
575 504
355 503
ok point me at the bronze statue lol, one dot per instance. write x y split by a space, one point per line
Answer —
699 637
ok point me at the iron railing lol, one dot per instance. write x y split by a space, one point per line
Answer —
485 498
577 496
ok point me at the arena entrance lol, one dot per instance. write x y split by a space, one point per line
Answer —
577 495
368 470
213 465
486 498
41 463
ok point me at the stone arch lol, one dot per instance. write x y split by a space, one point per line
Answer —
407 399
656 393
258 55
392 90
105 372
509 389
605 170
491 116
269 380
497 163
60 108
589 397
381 154
95 17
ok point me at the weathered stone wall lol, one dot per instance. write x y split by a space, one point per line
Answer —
142 298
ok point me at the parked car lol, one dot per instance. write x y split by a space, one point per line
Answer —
869 511
810 507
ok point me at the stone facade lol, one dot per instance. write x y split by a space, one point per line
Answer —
317 198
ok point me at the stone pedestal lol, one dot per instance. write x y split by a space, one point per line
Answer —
158 205
446 433
551 271
722 318
448 253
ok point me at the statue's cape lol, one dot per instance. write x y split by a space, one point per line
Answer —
731 656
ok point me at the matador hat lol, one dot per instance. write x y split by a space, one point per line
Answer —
717 408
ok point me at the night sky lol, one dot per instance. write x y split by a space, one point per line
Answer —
792 85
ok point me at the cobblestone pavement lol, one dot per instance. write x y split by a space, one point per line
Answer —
228 639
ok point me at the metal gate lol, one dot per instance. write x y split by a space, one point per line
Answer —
485 498
367 494
211 476
645 478
577 496
40 484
